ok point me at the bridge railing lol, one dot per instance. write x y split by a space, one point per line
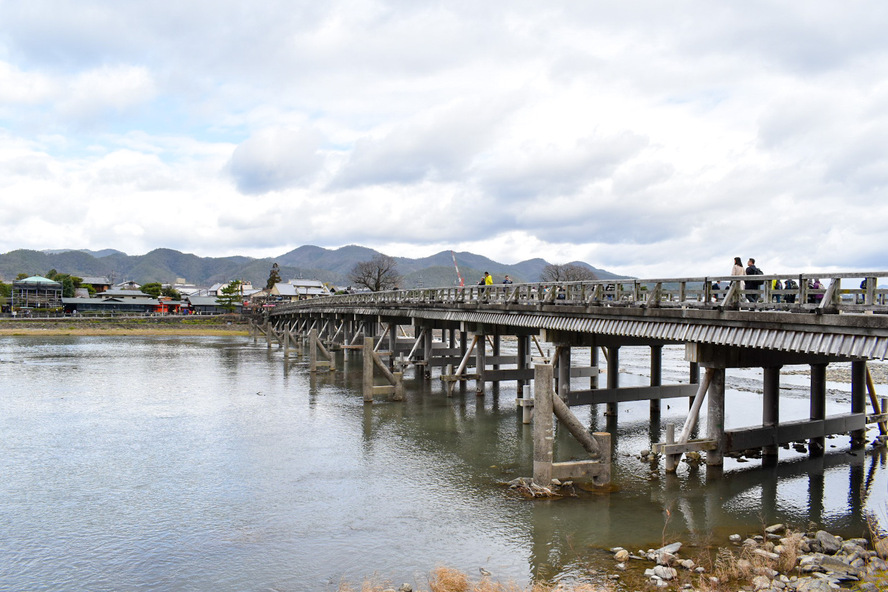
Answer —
827 292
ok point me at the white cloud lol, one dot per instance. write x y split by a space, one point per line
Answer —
640 137
276 159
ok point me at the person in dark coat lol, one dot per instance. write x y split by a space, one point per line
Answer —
751 269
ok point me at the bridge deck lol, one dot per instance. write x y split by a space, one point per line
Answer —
832 321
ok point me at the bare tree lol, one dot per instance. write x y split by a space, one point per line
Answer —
567 272
377 274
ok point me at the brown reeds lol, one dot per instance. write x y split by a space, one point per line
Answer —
447 579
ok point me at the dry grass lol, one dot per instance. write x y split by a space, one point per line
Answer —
447 579
732 567
792 549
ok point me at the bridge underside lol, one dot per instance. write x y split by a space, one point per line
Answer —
454 339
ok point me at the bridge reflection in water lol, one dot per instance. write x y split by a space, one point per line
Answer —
445 333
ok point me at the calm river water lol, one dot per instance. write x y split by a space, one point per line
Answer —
206 463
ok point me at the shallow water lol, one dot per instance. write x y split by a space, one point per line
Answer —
195 463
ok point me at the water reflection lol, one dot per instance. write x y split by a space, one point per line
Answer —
195 463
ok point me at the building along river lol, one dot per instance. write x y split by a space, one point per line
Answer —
196 463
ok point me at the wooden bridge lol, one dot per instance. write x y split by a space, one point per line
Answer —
722 322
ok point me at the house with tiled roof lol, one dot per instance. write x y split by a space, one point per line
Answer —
36 292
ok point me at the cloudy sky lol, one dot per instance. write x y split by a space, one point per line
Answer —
644 137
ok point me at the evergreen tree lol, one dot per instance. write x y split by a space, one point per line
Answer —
274 277
153 289
229 296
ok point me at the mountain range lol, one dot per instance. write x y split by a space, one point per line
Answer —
308 261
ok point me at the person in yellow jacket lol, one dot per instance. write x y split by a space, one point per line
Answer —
488 279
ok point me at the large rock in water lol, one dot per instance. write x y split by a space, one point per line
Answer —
828 543
814 585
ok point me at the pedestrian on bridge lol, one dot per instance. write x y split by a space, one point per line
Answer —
751 269
738 270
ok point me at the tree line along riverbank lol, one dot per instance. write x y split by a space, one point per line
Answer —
127 325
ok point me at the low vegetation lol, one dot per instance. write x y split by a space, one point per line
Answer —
446 579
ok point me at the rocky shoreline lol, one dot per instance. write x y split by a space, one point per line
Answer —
777 560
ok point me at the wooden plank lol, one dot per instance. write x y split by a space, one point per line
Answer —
463 376
501 359
509 374
584 371
631 393
793 431
681 448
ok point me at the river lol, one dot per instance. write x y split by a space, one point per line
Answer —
210 463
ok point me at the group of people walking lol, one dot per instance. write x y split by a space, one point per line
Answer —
752 284
487 280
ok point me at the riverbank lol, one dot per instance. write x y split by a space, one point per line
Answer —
217 325
776 559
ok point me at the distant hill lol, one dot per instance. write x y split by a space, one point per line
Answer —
308 261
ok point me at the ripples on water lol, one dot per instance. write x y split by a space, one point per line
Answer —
156 463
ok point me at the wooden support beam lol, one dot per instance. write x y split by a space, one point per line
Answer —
656 380
715 421
368 369
509 374
858 401
462 365
679 448
613 376
630 393
546 406
395 379
817 442
793 431
694 413
874 401
575 427
771 405
543 424
480 363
